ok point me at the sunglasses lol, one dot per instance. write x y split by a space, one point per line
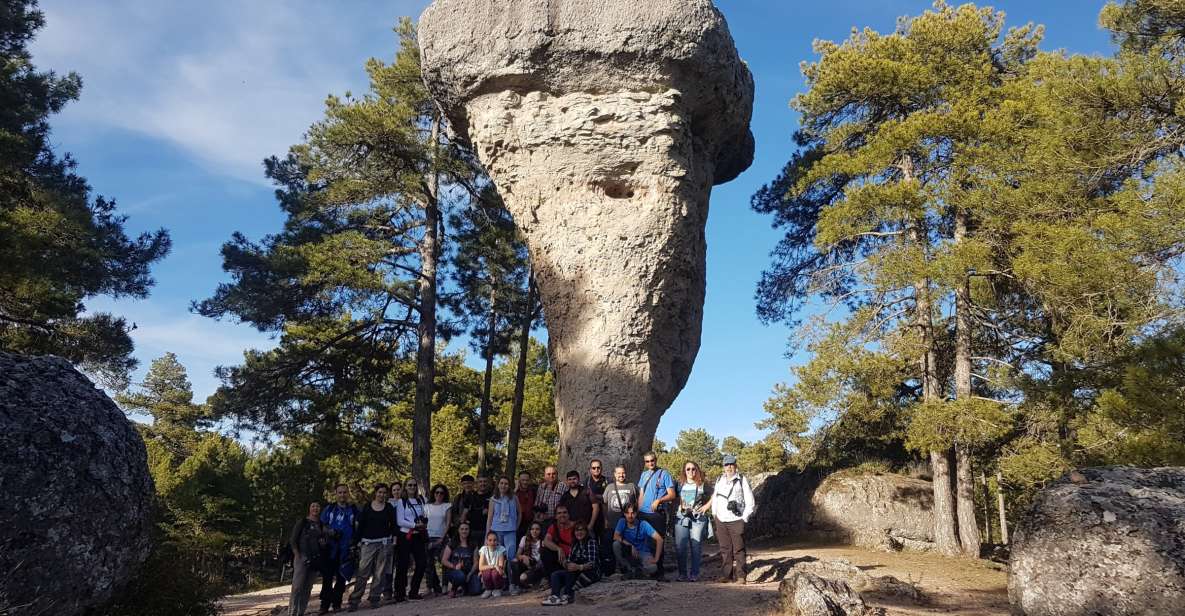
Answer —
594 468
439 492
689 468
649 460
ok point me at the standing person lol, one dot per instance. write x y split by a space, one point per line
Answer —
581 569
631 544
339 518
395 494
690 521
617 495
525 494
502 520
557 541
440 520
411 515
376 526
465 501
732 504
527 568
491 565
577 498
596 483
656 488
547 496
308 538
457 561
478 517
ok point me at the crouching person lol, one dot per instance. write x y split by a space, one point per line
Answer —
631 544
582 568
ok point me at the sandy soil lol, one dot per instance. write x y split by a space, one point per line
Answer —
949 586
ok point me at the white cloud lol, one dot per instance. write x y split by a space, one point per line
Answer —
229 83
201 344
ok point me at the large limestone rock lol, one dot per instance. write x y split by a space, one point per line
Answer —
883 511
806 594
604 125
77 494
1102 541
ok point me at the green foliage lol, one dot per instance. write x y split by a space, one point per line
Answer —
540 435
59 246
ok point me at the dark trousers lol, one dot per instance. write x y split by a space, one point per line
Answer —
564 582
526 575
658 520
435 547
408 550
551 560
608 563
333 585
731 536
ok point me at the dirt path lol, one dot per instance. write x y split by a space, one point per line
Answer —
950 586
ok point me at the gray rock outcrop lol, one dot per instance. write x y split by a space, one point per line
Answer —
77 494
806 594
882 511
605 126
1104 541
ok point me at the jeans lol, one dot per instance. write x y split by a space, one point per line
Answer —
371 564
507 539
688 546
564 582
435 547
456 578
333 584
409 549
628 563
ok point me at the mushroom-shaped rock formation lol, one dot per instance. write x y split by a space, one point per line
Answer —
604 125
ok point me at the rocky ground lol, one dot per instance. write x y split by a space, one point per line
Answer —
902 583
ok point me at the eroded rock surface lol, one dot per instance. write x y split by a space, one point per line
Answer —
605 126
806 594
1102 541
882 511
77 494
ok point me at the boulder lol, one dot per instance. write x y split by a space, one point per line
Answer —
883 511
78 496
1104 541
806 594
604 126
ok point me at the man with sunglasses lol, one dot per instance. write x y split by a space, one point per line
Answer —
595 483
656 488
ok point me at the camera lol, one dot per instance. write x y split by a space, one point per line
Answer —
735 508
421 519
686 521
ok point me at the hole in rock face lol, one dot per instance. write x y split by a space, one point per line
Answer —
616 189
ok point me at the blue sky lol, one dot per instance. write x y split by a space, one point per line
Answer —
181 101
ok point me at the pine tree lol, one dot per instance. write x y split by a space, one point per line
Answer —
59 246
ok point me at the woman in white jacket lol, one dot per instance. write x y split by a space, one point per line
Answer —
732 504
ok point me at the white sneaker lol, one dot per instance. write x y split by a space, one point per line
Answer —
552 600
487 594
497 593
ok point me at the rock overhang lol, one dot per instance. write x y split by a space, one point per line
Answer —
473 48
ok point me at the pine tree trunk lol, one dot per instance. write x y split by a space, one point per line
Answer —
1000 507
421 425
987 509
483 421
965 492
520 381
964 478
945 539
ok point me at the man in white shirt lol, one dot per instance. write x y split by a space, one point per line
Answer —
732 504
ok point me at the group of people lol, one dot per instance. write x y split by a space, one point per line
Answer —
495 537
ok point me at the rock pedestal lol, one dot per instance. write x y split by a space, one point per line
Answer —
1102 541
604 125
77 494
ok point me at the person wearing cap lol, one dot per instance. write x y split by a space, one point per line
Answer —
732 505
